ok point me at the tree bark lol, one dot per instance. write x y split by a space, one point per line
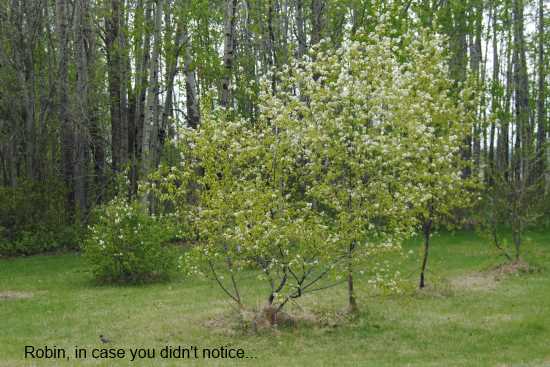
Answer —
125 85
300 29
475 66
503 146
426 230
82 32
521 94
142 47
352 301
151 125
228 51
541 111
114 71
67 139
458 64
192 101
495 101
171 71
317 20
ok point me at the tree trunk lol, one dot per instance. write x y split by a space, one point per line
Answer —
141 50
495 101
352 301
300 29
114 71
503 145
426 229
171 71
12 148
541 112
192 102
125 85
22 37
151 124
475 66
516 234
317 20
82 113
521 94
67 140
29 96
271 52
228 51
458 64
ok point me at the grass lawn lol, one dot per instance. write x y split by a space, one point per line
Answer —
465 318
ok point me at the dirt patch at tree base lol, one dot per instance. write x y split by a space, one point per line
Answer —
488 280
514 267
475 282
9 295
254 321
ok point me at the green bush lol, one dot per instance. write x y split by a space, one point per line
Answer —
127 245
33 219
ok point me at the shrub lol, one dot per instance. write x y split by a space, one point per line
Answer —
126 244
33 219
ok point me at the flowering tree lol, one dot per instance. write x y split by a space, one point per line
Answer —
380 135
249 209
445 123
444 189
331 172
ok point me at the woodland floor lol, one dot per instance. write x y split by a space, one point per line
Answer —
472 314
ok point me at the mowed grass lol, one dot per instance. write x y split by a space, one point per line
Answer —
464 318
